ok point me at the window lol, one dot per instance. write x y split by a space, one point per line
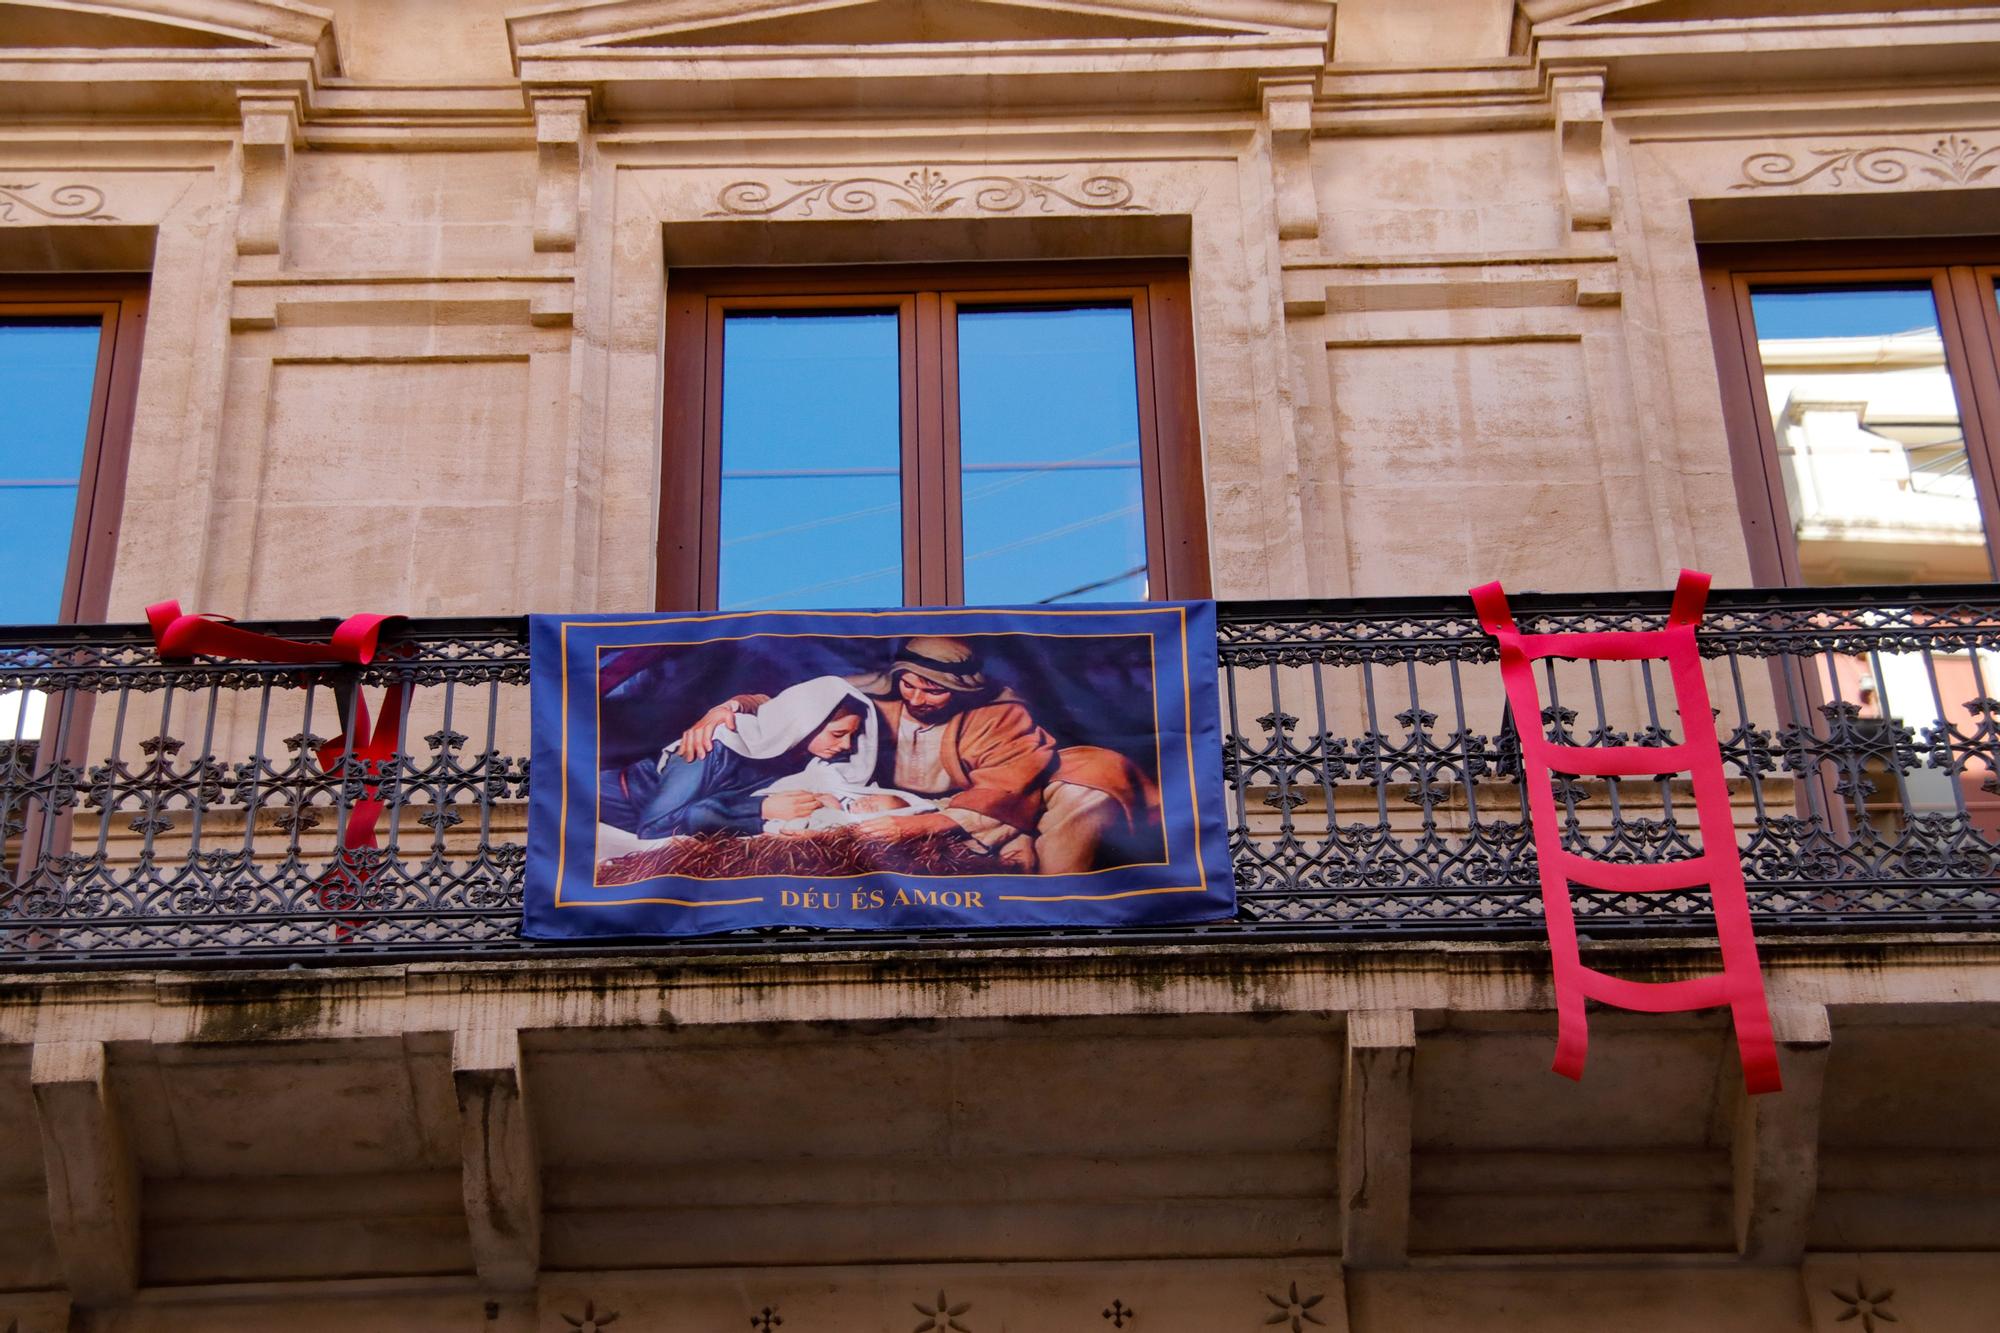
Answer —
1863 402
69 357
68 368
1862 397
926 436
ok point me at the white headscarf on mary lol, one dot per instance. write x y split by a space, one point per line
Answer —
821 727
794 716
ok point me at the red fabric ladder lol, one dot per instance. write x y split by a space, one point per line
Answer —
1740 983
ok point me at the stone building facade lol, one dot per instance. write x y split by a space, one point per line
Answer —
1458 295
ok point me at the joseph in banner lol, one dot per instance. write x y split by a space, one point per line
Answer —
951 734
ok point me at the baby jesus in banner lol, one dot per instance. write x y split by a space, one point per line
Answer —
928 762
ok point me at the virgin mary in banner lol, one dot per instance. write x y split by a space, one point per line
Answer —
883 769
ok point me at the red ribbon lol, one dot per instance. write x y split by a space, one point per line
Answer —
176 635
1740 983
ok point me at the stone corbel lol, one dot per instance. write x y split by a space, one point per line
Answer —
1288 115
93 1179
561 118
501 1168
1579 106
1375 1138
270 133
1776 1153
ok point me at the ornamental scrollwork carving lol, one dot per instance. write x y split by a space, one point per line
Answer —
64 203
1954 160
925 192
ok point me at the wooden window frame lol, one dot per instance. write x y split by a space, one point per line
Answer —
119 303
1961 274
927 297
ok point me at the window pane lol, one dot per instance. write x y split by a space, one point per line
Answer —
812 447
1048 404
47 370
1869 436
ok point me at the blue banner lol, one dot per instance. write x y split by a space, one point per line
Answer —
876 770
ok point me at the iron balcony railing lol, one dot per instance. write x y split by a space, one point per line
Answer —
180 812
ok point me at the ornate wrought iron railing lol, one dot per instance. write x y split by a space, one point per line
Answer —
183 812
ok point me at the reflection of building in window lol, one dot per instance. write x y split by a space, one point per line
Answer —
1873 454
1927 693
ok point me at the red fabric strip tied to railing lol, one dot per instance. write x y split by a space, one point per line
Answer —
371 744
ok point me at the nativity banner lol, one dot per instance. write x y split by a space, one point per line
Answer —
876 770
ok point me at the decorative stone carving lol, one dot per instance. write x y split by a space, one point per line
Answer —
1120 1314
943 1317
64 203
1294 1309
1951 160
590 1321
925 191
1866 1304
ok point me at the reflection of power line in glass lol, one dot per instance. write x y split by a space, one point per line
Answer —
812 524
1002 549
1119 577
1027 472
848 581
1063 531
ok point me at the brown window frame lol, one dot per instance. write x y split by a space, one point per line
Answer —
119 303
927 297
1962 275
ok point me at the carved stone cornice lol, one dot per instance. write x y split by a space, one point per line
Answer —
922 192
1952 159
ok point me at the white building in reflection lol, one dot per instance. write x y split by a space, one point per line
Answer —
1880 490
1873 456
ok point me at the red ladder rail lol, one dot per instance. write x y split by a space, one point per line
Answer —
1740 983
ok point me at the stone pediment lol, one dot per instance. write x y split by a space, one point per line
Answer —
896 22
157 57
1584 13
678 56
162 25
1646 47
665 25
